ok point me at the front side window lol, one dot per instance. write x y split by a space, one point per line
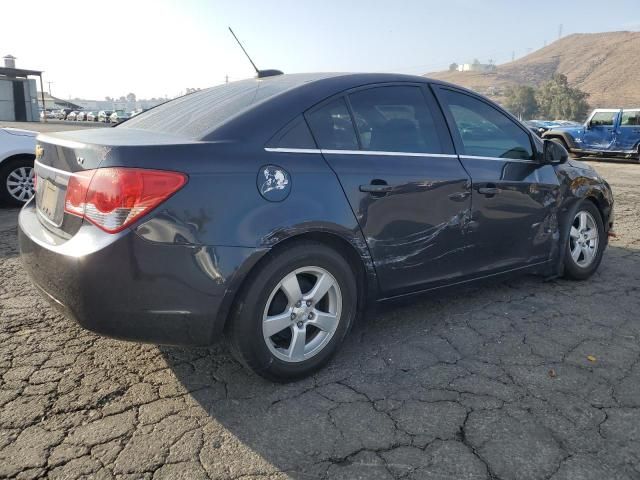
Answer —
485 131
394 119
603 119
630 118
332 127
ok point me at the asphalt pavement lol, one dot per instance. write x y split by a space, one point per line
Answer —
521 379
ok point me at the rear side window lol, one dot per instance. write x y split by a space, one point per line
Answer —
603 119
332 127
294 135
630 118
485 131
394 119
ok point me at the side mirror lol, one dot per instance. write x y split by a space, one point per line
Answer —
554 152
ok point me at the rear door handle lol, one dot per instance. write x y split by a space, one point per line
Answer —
459 196
376 188
488 190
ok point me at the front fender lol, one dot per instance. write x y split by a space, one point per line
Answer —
579 184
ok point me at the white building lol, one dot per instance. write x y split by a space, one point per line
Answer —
477 67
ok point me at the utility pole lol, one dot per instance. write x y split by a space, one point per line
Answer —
559 31
226 79
513 56
49 83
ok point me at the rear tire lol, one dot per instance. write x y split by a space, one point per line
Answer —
16 181
585 242
294 313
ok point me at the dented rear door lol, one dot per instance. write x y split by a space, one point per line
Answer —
408 190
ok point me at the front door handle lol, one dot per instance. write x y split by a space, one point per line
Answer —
489 190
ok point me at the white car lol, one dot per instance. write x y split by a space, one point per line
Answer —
17 153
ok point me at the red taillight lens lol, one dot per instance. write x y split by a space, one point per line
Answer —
113 198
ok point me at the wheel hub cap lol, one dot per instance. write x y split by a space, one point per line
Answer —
302 314
583 239
20 183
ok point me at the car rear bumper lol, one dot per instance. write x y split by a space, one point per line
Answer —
126 287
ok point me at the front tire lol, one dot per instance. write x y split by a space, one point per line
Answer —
295 312
585 243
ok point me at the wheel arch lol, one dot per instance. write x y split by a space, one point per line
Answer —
17 156
566 139
601 204
366 279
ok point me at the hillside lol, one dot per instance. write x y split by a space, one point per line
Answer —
605 65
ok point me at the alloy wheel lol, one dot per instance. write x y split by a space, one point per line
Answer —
583 239
302 314
20 183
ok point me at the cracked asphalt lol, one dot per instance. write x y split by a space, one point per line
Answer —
522 379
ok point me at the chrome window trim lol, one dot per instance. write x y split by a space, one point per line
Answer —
292 150
496 159
394 154
359 152
389 154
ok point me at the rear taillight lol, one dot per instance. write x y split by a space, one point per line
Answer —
114 198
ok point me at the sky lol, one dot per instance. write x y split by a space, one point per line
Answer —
154 48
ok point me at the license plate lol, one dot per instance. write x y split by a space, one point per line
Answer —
49 200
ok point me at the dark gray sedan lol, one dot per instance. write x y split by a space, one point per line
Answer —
274 210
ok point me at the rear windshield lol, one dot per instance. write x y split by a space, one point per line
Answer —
197 114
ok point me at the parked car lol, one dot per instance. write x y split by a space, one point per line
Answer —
119 116
540 126
138 111
92 116
49 114
62 113
606 133
72 116
105 116
81 116
17 151
276 209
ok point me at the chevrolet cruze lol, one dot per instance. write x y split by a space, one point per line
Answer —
271 211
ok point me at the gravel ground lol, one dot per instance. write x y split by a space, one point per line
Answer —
515 380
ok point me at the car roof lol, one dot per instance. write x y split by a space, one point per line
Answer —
261 106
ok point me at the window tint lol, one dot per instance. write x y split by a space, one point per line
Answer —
603 119
485 131
332 127
394 119
630 118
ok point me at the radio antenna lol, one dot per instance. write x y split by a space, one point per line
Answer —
259 73
245 52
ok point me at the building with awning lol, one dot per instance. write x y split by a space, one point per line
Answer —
18 93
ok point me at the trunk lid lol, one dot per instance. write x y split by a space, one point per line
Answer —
61 155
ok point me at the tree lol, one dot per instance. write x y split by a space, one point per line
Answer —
131 97
521 101
557 100
453 67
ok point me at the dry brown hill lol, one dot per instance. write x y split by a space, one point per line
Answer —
605 65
